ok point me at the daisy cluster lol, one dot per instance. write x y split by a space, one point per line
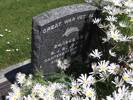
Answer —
117 16
109 79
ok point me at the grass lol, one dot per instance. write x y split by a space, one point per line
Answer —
15 26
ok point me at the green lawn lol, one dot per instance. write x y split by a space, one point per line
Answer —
15 26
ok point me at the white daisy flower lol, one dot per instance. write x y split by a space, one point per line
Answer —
95 69
1 35
107 8
131 65
9 31
116 2
128 76
113 68
131 96
21 78
12 96
121 94
129 4
114 34
111 18
16 49
86 80
130 15
112 10
6 30
89 92
28 38
63 64
8 50
122 24
96 20
38 89
75 88
96 54
124 38
103 66
118 82
8 42
29 97
128 11
113 54
105 40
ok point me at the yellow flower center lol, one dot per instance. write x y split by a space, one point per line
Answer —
125 77
89 93
131 20
114 36
15 98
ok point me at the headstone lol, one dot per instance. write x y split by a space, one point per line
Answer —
55 33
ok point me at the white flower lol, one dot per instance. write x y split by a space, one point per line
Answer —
95 69
113 54
111 18
96 54
131 96
38 89
111 10
86 80
121 94
122 24
29 81
103 66
116 2
122 58
1 35
130 15
50 90
8 50
128 76
113 68
17 49
28 38
107 8
96 20
29 97
8 42
124 39
12 96
114 34
21 78
105 40
118 82
6 30
63 64
129 4
128 11
89 92
131 65
74 88
16 94
9 31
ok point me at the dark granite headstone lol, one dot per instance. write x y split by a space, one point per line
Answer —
56 33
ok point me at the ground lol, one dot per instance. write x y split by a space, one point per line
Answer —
16 24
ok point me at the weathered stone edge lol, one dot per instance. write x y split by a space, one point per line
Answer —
54 14
10 68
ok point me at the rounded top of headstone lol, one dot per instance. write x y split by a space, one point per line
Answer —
57 13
